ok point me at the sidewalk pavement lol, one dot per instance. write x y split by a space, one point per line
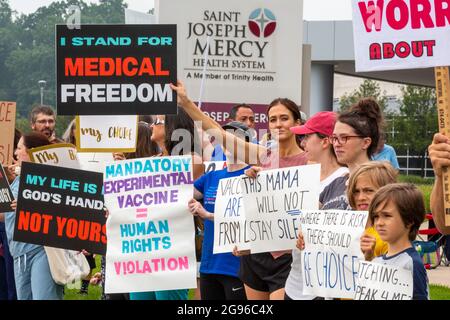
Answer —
440 275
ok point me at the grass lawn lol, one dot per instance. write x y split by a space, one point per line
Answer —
94 292
439 292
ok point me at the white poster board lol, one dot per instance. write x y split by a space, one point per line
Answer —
59 154
378 281
407 34
255 48
150 229
94 161
106 133
229 217
332 251
273 203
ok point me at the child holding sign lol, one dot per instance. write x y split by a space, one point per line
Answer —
397 211
362 186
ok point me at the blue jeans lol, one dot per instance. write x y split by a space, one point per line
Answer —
33 278
181 294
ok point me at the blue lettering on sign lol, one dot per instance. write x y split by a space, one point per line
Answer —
331 270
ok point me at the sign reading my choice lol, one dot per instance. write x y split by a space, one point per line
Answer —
61 207
116 69
106 133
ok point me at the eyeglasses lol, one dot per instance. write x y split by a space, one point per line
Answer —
158 121
51 121
342 139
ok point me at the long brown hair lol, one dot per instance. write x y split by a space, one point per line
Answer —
35 139
366 118
145 147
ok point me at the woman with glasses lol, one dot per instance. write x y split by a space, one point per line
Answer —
263 274
355 139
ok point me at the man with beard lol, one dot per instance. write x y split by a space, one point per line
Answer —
43 120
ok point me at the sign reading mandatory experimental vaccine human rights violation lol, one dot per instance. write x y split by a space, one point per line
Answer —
116 69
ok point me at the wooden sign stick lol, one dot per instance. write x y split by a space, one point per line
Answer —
443 104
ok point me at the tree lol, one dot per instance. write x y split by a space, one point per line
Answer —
418 118
417 121
367 89
27 50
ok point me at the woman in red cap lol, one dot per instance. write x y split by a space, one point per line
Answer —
319 149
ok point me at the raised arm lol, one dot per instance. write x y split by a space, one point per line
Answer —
209 124
439 152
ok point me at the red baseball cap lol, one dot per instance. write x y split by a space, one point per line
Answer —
322 122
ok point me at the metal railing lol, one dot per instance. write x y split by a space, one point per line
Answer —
411 164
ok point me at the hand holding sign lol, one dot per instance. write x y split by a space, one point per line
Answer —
197 209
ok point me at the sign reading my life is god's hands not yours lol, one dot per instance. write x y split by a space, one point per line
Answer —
116 69
60 207
150 229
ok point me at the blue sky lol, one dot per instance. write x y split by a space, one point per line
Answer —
313 9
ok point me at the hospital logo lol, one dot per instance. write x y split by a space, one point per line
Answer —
262 22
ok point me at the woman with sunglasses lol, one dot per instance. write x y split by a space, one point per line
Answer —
263 274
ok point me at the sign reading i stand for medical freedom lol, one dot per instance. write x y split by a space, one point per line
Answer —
255 51
229 217
273 202
116 69
7 125
61 208
332 251
106 133
6 196
59 154
378 281
150 229
400 34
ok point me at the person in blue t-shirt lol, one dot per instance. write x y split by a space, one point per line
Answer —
386 152
218 272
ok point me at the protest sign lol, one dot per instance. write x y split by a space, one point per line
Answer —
7 125
150 229
392 35
378 281
214 165
229 217
273 202
61 208
59 154
442 75
6 196
332 251
116 69
106 133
